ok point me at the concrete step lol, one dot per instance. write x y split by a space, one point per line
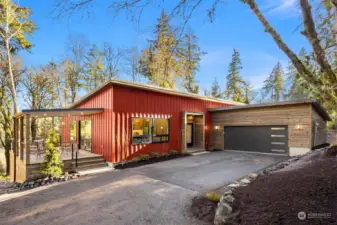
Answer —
91 166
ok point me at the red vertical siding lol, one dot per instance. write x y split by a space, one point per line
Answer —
111 130
101 123
132 102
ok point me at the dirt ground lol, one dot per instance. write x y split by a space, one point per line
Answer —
308 185
203 209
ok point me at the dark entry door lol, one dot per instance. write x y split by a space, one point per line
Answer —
189 134
264 139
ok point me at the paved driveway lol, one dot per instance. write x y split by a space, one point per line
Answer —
154 194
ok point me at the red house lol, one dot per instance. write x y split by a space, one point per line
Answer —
140 119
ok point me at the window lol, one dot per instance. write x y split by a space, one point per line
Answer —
160 130
85 135
141 130
73 131
145 130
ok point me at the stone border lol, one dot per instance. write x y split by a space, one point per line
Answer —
224 210
16 187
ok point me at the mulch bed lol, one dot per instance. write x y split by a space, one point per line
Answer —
203 209
277 198
149 161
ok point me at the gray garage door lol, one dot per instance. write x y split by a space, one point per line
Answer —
265 139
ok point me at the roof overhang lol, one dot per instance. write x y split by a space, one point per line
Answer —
40 113
315 103
153 88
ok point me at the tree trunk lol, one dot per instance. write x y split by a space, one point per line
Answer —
10 71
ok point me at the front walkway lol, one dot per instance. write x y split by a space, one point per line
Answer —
153 194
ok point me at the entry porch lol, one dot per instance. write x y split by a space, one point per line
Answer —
29 145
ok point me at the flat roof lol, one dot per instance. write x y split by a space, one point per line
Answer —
319 108
155 89
60 112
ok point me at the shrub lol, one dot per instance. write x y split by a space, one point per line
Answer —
52 165
213 197
144 157
154 154
173 152
164 155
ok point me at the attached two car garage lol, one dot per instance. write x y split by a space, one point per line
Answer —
287 128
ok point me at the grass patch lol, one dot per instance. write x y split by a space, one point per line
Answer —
213 197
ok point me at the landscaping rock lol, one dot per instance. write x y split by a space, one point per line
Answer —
229 198
245 181
228 192
222 213
252 175
234 185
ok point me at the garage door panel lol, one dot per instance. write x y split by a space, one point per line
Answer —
265 139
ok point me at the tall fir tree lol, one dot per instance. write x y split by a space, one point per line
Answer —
190 55
159 62
235 84
298 87
273 88
215 89
94 74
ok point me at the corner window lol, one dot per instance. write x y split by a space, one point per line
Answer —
145 130
141 130
73 131
160 130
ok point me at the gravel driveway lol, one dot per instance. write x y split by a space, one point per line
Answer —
155 194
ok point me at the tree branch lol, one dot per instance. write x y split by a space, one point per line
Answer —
298 64
312 36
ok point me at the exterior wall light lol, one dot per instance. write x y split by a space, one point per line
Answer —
299 127
216 127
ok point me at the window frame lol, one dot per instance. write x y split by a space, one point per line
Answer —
142 136
151 131
161 135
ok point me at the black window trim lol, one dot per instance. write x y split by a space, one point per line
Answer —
151 131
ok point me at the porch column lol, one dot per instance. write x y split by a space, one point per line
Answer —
21 138
27 137
183 132
16 137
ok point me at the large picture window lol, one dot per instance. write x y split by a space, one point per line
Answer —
145 130
160 130
141 130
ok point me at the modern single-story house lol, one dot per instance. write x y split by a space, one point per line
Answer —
121 120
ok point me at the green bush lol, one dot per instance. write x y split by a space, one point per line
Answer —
164 155
52 165
154 154
173 152
213 197
144 157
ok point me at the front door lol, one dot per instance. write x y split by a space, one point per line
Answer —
189 135
85 135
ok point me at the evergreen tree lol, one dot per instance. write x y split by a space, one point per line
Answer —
190 56
215 89
235 83
159 62
94 75
274 85
53 165
298 87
